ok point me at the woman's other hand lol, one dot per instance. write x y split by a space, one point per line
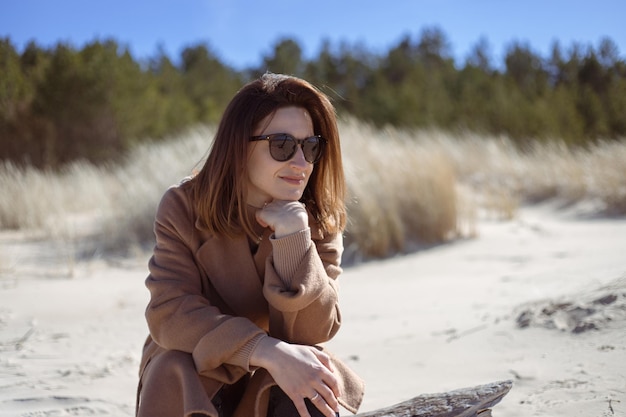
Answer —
301 372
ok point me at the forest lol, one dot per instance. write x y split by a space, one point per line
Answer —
95 103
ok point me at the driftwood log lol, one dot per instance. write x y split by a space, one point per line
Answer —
466 402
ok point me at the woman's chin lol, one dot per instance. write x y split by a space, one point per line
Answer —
290 196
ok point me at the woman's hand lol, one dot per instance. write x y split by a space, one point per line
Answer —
301 372
283 217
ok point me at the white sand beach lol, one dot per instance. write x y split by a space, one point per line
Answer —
71 332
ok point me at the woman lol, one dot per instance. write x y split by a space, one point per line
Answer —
243 276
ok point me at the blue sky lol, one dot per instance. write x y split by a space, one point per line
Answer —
240 32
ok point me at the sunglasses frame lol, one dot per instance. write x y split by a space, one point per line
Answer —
300 142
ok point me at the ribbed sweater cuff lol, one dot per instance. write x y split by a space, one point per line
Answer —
242 356
289 252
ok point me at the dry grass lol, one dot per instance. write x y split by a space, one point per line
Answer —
503 177
113 205
140 182
402 194
407 188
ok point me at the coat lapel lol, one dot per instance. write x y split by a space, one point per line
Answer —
231 268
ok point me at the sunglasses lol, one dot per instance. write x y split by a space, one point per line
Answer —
283 146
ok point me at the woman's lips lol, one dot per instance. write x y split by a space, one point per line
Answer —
293 180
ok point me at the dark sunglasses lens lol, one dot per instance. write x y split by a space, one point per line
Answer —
312 149
282 147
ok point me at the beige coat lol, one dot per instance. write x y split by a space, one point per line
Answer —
212 300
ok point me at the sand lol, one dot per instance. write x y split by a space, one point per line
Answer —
540 299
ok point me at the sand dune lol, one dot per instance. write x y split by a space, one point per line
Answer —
505 305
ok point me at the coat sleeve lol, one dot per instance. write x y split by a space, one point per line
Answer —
304 306
179 316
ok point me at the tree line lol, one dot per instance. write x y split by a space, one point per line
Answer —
62 103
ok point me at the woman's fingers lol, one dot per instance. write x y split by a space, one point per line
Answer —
301 372
329 378
327 397
322 404
283 217
326 402
326 392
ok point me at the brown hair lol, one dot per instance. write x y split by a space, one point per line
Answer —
219 189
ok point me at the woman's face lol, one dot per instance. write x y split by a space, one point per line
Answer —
269 179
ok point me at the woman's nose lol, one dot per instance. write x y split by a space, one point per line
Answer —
298 161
